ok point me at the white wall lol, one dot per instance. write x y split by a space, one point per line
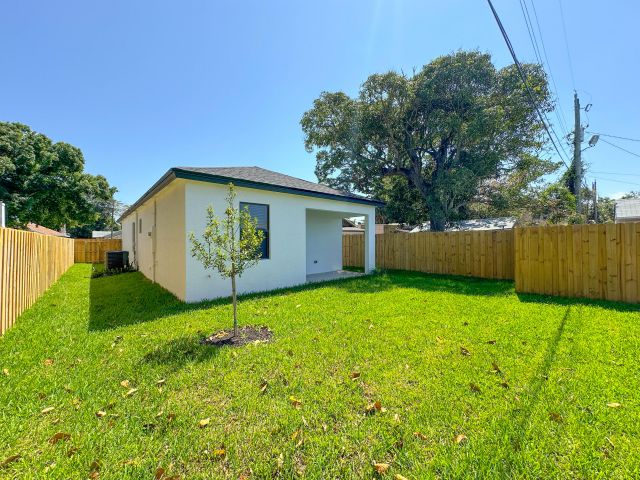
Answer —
287 265
324 241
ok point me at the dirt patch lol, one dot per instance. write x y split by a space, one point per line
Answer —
249 334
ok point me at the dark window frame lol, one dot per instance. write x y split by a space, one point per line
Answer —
267 238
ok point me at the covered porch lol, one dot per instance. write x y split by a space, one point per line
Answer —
324 243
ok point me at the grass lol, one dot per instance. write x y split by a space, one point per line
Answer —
544 415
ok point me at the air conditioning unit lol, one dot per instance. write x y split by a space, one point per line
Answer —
116 260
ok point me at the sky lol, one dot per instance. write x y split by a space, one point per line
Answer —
141 86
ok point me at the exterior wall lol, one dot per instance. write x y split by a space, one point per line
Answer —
324 241
287 265
158 249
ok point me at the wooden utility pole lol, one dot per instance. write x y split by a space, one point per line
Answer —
577 159
595 202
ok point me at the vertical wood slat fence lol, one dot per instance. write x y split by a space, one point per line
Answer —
589 261
29 264
92 250
484 254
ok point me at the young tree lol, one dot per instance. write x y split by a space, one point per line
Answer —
447 129
230 245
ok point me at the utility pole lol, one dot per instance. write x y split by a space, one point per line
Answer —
595 201
577 158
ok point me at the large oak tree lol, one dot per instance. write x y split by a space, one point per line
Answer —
451 130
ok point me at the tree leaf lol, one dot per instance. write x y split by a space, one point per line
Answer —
58 437
491 342
355 375
130 392
5 372
381 468
556 417
263 387
460 438
474 387
101 413
204 422
397 476
495 367
10 459
125 383
614 405
159 475
48 362
47 410
420 435
297 403
465 352
161 382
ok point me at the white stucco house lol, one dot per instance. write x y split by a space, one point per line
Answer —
302 221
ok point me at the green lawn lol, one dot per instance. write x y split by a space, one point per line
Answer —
543 415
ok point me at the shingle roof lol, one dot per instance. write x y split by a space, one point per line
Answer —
252 177
628 208
269 177
35 228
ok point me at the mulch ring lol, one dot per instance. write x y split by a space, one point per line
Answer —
246 335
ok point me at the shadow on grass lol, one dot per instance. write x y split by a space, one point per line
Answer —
130 298
181 351
573 301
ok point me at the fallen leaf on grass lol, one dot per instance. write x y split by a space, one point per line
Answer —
130 392
504 385
614 405
556 417
474 387
420 435
460 438
375 407
159 473
5 372
125 383
397 476
48 362
219 452
204 422
263 386
94 469
491 342
355 375
465 352
47 410
101 413
295 402
58 437
161 382
381 468
72 451
495 367
11 459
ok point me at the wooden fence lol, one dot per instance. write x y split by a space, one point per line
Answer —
29 264
485 254
92 250
590 261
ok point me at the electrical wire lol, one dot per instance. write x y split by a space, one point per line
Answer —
623 174
561 118
617 181
536 51
615 136
620 148
523 77
566 44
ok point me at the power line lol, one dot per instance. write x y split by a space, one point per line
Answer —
620 148
561 118
617 181
566 44
615 136
624 174
523 77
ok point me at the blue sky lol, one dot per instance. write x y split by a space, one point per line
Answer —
141 86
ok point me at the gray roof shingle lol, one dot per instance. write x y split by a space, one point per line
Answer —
252 177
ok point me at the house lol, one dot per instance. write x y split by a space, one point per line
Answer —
302 222
359 230
498 223
35 228
106 234
627 210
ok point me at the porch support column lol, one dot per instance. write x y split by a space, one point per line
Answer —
369 243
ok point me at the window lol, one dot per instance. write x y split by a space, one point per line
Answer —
260 212
140 226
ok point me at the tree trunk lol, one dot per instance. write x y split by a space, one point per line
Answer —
235 305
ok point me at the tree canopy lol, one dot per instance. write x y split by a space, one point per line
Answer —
454 130
45 183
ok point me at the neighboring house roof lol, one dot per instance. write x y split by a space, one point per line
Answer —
628 208
106 234
500 223
348 223
252 177
35 228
